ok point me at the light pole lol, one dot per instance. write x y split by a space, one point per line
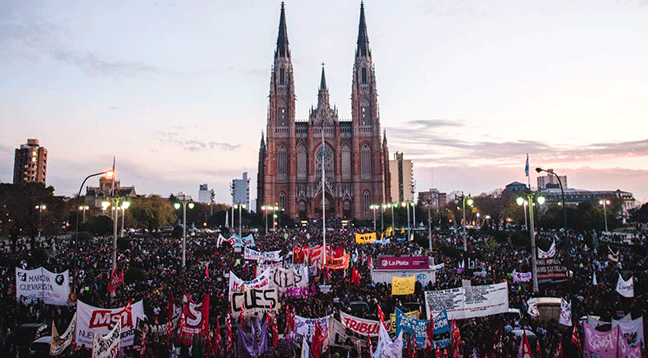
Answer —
465 200
605 203
562 193
374 207
123 207
265 217
531 197
239 206
409 228
184 199
429 204
40 209
392 209
382 217
108 174
84 208
523 202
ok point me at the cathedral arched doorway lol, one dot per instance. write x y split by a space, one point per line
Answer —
301 210
329 206
346 209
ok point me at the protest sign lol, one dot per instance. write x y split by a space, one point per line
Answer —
262 281
365 238
41 284
196 316
403 286
412 314
107 346
632 331
253 301
469 301
338 263
365 327
625 288
340 336
93 321
285 279
415 327
306 326
250 254
59 343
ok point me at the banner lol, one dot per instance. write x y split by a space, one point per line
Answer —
93 321
250 254
386 348
261 282
243 241
403 263
254 344
107 346
365 327
625 288
306 326
600 344
551 268
521 276
441 331
253 301
41 284
565 313
365 238
314 254
222 239
196 316
338 263
289 279
549 253
403 286
632 331
412 314
468 302
416 327
59 343
260 267
340 336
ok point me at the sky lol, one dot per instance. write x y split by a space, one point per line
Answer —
177 91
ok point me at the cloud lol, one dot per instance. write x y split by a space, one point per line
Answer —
194 145
6 149
433 123
93 63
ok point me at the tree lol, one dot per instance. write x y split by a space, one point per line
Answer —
19 215
640 215
151 212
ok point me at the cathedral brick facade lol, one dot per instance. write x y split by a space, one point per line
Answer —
354 156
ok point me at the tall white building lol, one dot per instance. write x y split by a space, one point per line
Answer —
241 190
401 173
204 194
550 181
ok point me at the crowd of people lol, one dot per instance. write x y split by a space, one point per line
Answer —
153 273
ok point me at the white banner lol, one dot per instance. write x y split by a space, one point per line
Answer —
263 281
565 313
468 302
41 284
59 343
625 288
93 321
549 253
340 336
250 254
296 277
107 346
632 331
253 301
306 326
386 348
365 327
521 276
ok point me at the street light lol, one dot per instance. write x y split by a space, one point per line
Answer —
108 174
562 193
184 199
409 228
523 202
124 206
239 206
382 217
465 200
84 208
40 209
392 209
265 217
374 207
531 197
605 203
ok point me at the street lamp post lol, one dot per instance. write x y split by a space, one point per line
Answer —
83 208
409 228
184 200
265 218
605 203
239 206
562 193
392 209
109 174
274 217
123 207
523 202
530 198
429 204
40 209
374 207
382 217
464 200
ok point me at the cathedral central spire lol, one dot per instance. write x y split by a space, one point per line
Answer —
363 38
323 94
282 38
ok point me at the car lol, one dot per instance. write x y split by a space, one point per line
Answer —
40 348
358 307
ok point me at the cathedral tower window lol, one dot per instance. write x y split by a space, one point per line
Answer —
364 75
367 201
365 159
365 113
282 74
282 163
282 200
283 114
346 163
301 163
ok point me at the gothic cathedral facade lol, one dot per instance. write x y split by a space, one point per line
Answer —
354 153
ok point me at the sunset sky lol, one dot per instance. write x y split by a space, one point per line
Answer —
177 91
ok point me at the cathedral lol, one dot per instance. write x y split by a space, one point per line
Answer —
353 153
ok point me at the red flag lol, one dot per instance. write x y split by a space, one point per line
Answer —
438 352
445 352
411 349
538 349
559 350
318 340
170 314
429 341
456 339
355 277
207 270
115 280
275 331
525 347
241 316
228 342
576 339
217 339
496 346
370 346
339 252
381 315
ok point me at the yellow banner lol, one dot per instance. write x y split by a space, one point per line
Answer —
365 238
403 285
413 314
389 231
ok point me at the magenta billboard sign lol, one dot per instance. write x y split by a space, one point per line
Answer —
403 263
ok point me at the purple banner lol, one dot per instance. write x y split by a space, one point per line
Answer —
403 263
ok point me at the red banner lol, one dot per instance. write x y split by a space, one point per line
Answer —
403 263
